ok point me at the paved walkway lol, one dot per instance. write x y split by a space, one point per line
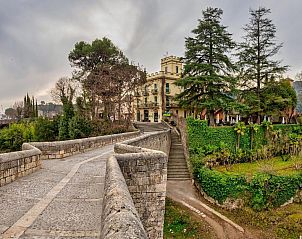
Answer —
62 200
185 193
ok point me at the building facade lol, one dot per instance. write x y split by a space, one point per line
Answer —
156 99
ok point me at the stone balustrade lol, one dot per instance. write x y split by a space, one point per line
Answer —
18 164
142 162
62 149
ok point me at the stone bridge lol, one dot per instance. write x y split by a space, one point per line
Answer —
100 187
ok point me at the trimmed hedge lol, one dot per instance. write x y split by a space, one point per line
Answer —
219 186
262 192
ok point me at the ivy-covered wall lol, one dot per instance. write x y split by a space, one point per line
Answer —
203 137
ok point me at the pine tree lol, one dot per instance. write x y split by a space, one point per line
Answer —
256 53
207 81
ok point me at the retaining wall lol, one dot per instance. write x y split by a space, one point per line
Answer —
144 169
62 149
18 164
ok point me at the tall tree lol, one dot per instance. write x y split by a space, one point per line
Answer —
280 99
207 79
105 74
256 56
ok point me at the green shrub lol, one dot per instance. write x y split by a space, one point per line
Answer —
272 191
64 128
79 127
12 138
46 129
221 186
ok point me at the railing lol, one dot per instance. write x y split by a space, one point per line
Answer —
145 93
148 105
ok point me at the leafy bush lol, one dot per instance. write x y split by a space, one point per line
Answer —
79 127
12 138
46 129
272 191
220 186
64 128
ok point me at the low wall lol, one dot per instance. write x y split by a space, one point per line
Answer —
120 218
143 164
62 149
18 164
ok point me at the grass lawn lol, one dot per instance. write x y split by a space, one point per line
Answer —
180 223
281 223
275 165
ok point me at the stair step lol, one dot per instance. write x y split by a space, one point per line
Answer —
177 166
179 175
178 172
179 179
178 157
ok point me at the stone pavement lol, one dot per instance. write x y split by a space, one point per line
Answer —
62 200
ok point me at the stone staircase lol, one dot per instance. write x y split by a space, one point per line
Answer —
177 165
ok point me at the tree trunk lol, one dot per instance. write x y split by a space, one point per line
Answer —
212 118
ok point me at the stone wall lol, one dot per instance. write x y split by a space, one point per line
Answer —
120 218
62 149
144 169
160 141
182 128
18 164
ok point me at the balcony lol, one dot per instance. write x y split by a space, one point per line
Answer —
148 105
172 105
154 91
145 93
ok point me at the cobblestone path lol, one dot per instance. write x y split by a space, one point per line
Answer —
62 200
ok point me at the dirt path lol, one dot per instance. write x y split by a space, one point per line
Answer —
186 194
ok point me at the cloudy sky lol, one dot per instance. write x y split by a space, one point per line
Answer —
37 35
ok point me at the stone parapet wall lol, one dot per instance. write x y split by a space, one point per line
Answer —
18 164
143 163
160 141
62 149
120 218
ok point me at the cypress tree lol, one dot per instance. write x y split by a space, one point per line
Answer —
256 57
207 78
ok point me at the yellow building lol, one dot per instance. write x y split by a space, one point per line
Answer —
155 100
